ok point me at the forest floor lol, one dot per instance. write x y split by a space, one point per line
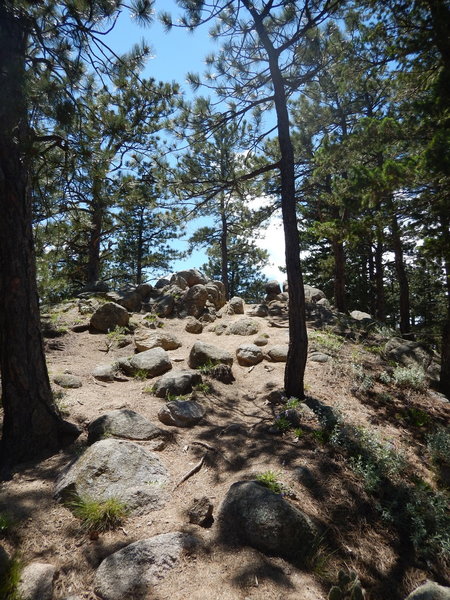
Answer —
237 437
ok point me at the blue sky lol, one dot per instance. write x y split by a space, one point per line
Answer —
174 54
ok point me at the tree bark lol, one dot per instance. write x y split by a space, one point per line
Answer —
380 304
32 427
298 339
95 234
445 343
224 248
339 275
405 319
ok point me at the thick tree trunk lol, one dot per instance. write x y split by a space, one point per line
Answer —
140 248
298 339
339 275
32 427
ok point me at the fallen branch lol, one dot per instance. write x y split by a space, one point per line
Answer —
194 470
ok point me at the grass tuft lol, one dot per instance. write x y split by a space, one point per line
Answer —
97 515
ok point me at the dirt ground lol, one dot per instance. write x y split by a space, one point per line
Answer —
238 443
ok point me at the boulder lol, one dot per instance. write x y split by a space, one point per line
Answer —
192 277
161 283
132 301
248 355
109 316
94 287
179 281
123 423
153 362
262 340
116 469
313 294
195 299
164 305
260 310
278 353
36 582
406 353
266 521
130 573
430 591
272 288
202 354
181 413
67 380
145 341
177 383
193 325
359 315
104 372
216 294
144 290
319 357
243 326
236 306
201 511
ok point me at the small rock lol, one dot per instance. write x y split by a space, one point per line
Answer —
248 355
124 423
312 294
153 362
104 372
36 582
193 325
243 326
278 353
319 357
260 310
359 315
167 341
177 383
430 591
181 413
202 354
222 373
66 380
262 340
130 573
201 511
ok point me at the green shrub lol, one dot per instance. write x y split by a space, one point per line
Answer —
282 424
410 377
9 583
269 479
439 445
98 515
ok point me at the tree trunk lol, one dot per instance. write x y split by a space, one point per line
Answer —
339 275
140 248
32 427
95 233
445 347
380 310
298 339
224 248
405 326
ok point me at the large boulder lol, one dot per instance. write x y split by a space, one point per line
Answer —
266 521
248 355
109 316
193 325
181 413
152 362
272 288
130 573
177 383
361 316
430 591
243 326
195 300
132 301
406 353
116 469
36 582
164 305
145 341
313 294
123 423
278 353
192 277
236 306
216 294
203 354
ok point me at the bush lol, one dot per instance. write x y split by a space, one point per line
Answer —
97 515
410 377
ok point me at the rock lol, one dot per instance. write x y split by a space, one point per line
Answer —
104 372
208 315
87 306
260 310
272 288
202 354
144 290
109 316
94 287
167 341
266 521
116 469
324 302
248 355
193 277
177 383
132 301
161 283
430 591
236 306
4 562
130 573
164 305
153 362
201 511
195 300
262 340
319 357
123 423
179 281
181 413
359 315
193 325
312 294
276 308
222 373
66 380
243 326
278 353
216 294
36 582
406 353
220 328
